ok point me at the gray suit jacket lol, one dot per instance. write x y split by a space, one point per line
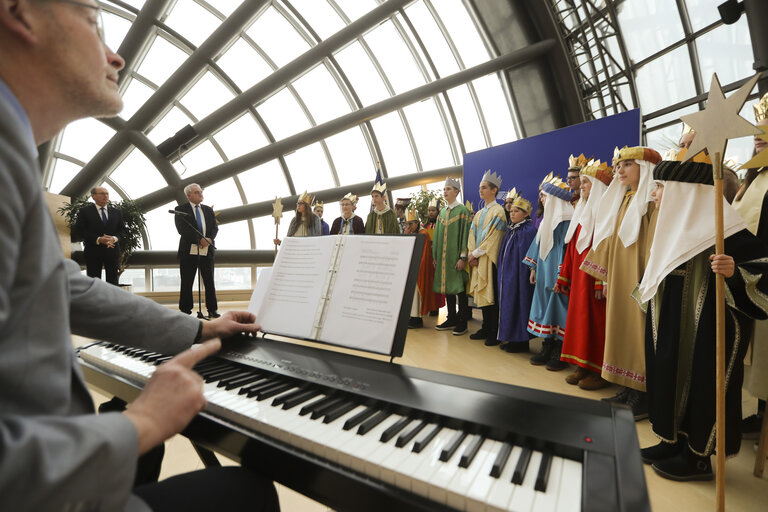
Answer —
55 453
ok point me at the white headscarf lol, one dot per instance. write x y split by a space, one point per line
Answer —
556 210
685 227
611 202
585 214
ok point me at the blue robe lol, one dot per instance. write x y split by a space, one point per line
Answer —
325 228
549 310
514 288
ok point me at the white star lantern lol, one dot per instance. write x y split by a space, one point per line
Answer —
277 210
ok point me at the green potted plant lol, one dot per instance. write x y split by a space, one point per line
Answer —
133 218
421 199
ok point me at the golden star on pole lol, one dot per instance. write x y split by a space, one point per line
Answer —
277 209
720 120
760 159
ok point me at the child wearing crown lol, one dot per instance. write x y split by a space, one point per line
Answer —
584 339
318 209
449 252
381 220
620 244
348 223
424 298
488 228
305 223
548 309
514 288
678 290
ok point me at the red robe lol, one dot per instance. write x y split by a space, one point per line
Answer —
429 300
584 340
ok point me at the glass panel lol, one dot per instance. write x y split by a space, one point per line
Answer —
168 280
362 74
171 123
277 37
232 278
226 7
208 94
351 156
309 169
321 93
363 207
233 236
136 3
223 194
192 21
463 31
648 27
394 144
137 175
283 115
664 139
115 28
321 16
665 81
495 110
703 12
672 116
202 158
430 135
136 277
241 136
161 61
244 76
63 172
727 50
83 138
161 230
134 97
466 115
355 8
433 39
264 229
394 57
264 183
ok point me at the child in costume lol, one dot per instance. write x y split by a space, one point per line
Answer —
318 209
381 220
348 223
424 297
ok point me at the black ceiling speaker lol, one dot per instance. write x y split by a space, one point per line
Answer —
171 145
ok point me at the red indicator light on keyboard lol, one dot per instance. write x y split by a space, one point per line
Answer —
588 439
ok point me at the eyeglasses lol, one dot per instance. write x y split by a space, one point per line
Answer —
572 178
99 17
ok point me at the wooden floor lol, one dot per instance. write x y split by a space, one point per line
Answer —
439 350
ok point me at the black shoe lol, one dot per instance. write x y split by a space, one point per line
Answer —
661 451
415 322
684 467
447 325
638 402
516 347
213 314
460 329
750 426
479 335
186 312
545 355
555 364
618 398
492 342
114 405
434 313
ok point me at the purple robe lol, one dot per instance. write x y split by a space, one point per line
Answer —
514 288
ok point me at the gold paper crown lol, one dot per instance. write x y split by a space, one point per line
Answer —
556 181
317 203
598 170
411 215
433 203
761 109
687 129
305 198
519 202
350 197
546 179
577 162
379 187
678 155
636 153
469 206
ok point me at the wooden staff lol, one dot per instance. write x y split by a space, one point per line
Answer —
717 166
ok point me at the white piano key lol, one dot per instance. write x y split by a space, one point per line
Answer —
481 486
462 481
409 468
430 462
547 501
569 499
439 480
522 499
503 489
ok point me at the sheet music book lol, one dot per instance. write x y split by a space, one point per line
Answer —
342 290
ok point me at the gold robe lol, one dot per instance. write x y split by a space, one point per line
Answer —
487 231
622 268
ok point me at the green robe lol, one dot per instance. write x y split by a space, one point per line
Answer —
388 223
448 244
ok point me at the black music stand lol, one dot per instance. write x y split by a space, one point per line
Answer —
184 216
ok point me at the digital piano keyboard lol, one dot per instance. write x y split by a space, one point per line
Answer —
362 434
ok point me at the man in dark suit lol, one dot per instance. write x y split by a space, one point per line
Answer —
100 225
201 216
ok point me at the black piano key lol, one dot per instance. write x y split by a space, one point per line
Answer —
501 460
243 381
274 391
300 398
148 355
469 454
206 364
261 386
395 429
339 411
214 376
223 381
359 418
406 437
282 398
453 445
371 422
319 412
204 372
522 466
426 439
542 477
257 383
161 360
316 405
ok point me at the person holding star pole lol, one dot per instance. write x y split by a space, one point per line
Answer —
277 213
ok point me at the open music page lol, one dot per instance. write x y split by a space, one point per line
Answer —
368 291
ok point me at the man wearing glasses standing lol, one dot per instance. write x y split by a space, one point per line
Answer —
101 226
57 454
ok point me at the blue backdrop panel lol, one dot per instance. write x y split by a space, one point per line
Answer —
524 163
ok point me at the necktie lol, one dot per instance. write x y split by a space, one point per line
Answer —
199 220
103 215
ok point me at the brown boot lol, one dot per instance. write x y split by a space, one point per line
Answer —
576 376
592 381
